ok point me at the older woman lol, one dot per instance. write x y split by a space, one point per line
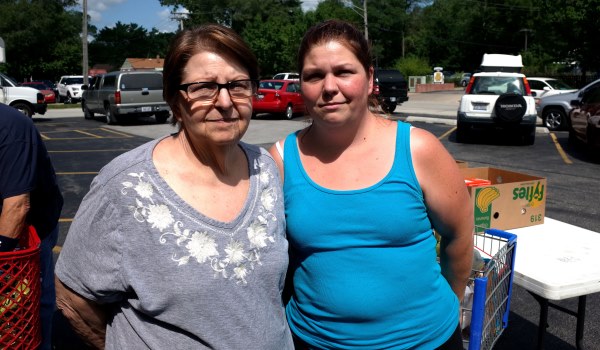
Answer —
180 243
362 195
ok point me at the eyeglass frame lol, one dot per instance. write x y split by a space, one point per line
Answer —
226 86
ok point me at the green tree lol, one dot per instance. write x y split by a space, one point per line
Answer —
43 48
112 45
572 32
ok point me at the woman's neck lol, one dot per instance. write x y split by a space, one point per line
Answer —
221 159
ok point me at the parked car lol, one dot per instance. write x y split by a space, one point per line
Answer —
279 97
69 88
287 76
548 86
464 79
390 88
27 100
585 117
129 94
554 110
498 98
52 85
47 91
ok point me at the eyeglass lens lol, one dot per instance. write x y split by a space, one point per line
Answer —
208 90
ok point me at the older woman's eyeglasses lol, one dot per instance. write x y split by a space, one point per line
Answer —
208 90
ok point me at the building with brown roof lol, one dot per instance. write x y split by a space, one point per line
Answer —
131 64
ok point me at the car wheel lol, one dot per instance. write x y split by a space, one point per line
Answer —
289 112
573 140
529 136
68 100
87 114
463 83
462 133
554 119
161 117
111 119
510 108
388 107
23 108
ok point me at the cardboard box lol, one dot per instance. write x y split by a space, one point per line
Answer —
462 164
512 199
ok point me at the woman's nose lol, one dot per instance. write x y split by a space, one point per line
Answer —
330 84
223 99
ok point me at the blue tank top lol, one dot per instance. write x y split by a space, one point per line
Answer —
363 261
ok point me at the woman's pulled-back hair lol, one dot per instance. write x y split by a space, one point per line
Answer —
339 31
205 38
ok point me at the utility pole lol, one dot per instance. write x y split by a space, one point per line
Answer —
363 15
526 31
365 20
179 16
84 44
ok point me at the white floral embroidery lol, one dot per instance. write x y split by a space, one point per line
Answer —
202 247
159 216
239 256
235 252
267 198
257 233
144 189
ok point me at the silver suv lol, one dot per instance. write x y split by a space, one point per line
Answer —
120 95
498 97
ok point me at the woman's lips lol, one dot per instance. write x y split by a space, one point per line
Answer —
331 105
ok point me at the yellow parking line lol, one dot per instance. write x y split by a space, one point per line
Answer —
447 133
116 132
560 150
78 173
92 150
89 134
56 249
65 220
44 137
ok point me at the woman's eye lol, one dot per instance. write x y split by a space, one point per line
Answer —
345 73
200 87
311 77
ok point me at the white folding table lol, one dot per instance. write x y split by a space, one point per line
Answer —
556 261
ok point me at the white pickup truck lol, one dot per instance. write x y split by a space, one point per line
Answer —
27 100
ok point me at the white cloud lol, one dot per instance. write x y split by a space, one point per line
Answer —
309 5
95 8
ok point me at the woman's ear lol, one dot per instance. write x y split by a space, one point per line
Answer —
371 73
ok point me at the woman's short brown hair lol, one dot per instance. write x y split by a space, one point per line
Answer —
210 38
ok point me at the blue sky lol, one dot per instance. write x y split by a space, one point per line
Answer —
146 13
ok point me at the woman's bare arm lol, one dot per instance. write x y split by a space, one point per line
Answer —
87 318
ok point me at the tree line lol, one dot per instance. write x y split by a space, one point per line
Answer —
43 37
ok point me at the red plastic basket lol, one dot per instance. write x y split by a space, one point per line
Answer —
20 292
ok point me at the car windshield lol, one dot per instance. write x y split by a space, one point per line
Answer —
271 85
498 85
559 85
71 81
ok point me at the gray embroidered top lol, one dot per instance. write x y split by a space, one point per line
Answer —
179 279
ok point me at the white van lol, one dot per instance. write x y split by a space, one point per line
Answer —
25 99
